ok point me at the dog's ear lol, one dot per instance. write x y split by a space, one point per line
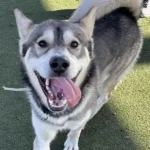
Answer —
24 25
87 22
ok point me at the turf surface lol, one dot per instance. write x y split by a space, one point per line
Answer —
122 124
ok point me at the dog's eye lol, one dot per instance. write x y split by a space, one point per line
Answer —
42 43
74 44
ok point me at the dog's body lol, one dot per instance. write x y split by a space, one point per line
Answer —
96 65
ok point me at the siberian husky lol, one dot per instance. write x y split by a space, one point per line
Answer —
71 67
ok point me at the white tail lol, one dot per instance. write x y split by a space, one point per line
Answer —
106 6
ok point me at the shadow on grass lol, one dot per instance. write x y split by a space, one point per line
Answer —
145 54
102 132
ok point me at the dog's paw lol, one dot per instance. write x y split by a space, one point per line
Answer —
71 144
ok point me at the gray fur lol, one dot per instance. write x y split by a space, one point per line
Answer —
58 27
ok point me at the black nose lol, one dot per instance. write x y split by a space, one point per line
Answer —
59 64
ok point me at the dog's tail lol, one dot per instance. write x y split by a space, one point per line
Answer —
106 6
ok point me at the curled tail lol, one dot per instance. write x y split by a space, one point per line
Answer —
106 6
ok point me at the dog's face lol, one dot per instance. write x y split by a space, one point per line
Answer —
56 57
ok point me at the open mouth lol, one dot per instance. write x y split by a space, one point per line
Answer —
60 92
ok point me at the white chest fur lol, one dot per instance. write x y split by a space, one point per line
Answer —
68 125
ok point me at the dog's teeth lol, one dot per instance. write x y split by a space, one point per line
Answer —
47 82
49 92
47 88
51 102
64 102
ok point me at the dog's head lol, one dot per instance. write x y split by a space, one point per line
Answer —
56 56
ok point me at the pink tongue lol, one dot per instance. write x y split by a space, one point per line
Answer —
71 92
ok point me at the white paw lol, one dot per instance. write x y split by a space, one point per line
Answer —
71 144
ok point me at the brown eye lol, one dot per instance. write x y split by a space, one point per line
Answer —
42 44
74 44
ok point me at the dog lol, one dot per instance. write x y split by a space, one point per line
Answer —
71 67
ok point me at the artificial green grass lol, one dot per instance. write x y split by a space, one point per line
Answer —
50 5
122 124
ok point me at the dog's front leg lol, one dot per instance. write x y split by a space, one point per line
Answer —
41 143
73 139
45 133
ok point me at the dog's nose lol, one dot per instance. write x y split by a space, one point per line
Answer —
59 64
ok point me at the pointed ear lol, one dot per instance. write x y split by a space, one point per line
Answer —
24 24
87 22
